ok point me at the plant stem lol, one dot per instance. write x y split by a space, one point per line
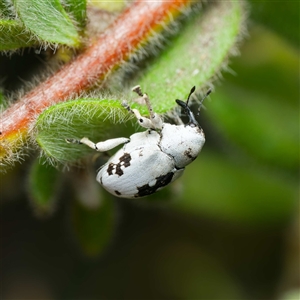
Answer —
133 27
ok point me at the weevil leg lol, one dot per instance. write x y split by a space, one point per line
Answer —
155 121
100 146
154 117
143 121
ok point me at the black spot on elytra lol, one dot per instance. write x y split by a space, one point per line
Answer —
110 168
126 158
119 171
160 182
124 161
188 153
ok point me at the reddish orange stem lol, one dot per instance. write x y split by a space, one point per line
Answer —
114 46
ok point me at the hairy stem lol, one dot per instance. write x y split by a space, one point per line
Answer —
134 26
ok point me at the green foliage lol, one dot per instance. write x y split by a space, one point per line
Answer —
291 295
281 17
41 22
195 56
233 206
93 228
13 35
5 11
77 8
2 98
248 170
189 60
75 119
237 191
259 132
265 103
43 188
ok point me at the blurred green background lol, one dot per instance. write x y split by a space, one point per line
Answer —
228 229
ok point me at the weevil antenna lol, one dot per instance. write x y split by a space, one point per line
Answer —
186 108
190 94
206 94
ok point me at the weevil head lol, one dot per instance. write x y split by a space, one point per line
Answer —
183 142
187 110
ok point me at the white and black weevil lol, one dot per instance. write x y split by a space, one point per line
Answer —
152 159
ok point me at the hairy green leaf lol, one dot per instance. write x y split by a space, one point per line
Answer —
48 20
75 119
195 56
13 35
111 6
77 8
5 11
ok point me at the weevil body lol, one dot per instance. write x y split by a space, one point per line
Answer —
152 159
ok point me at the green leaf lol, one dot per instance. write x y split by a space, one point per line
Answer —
5 11
234 191
13 35
195 56
111 6
269 14
2 99
92 214
77 8
93 227
267 65
43 185
76 119
291 294
258 110
48 20
246 119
